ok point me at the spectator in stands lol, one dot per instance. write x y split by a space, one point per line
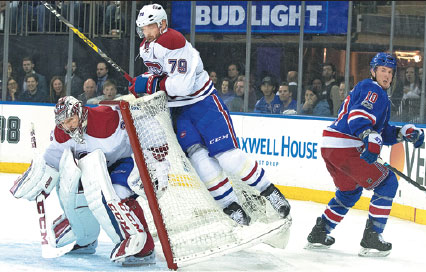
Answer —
28 67
109 93
10 72
289 105
233 73
331 87
252 95
213 77
269 103
314 105
102 76
317 85
12 90
411 87
114 18
31 12
1 75
236 103
57 89
342 96
411 95
89 88
76 81
292 83
225 93
33 93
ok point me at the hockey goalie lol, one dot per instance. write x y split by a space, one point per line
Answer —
90 163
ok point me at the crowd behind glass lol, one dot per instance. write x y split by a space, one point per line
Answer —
323 87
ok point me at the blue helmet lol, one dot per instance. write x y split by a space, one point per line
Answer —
383 59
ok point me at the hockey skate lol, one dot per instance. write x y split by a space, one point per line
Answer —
87 249
277 200
236 212
318 238
139 259
373 244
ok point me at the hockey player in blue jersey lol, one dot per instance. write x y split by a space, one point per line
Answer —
351 146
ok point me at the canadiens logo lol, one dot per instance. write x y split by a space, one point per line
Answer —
183 134
154 67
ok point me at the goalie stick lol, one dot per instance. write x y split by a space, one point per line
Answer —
399 173
89 43
47 250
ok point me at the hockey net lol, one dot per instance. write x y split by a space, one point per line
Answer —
189 224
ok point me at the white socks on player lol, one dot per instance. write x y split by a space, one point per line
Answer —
213 177
238 163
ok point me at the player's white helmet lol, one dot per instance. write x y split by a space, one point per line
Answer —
67 107
150 14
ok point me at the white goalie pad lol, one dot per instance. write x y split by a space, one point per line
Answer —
84 226
38 178
103 201
94 173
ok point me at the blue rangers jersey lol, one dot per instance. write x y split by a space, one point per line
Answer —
366 107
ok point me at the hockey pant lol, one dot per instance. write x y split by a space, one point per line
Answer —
235 162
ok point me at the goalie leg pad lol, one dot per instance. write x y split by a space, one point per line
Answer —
84 226
238 163
212 175
94 173
38 178
115 217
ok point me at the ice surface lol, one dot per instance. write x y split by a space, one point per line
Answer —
20 244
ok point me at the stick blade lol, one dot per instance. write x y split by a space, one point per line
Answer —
49 252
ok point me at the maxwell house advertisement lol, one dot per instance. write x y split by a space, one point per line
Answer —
290 149
267 16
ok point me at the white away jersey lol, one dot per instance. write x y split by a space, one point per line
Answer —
105 131
172 55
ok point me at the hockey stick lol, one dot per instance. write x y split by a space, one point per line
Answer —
47 251
89 43
399 173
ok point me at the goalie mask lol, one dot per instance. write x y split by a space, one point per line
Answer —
66 108
150 14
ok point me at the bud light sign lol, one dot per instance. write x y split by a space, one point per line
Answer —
321 17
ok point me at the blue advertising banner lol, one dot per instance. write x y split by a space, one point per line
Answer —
321 17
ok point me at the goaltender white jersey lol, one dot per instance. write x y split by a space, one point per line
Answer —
105 131
172 55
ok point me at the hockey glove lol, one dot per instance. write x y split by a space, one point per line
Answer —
372 145
145 83
39 178
412 134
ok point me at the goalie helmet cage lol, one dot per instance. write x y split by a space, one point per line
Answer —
190 225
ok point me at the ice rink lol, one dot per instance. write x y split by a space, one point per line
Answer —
20 247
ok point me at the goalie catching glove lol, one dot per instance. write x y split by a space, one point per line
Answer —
410 133
372 144
146 83
39 178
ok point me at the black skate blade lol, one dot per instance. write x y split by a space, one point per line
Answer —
315 246
370 252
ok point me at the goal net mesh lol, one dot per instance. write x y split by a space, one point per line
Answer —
197 227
